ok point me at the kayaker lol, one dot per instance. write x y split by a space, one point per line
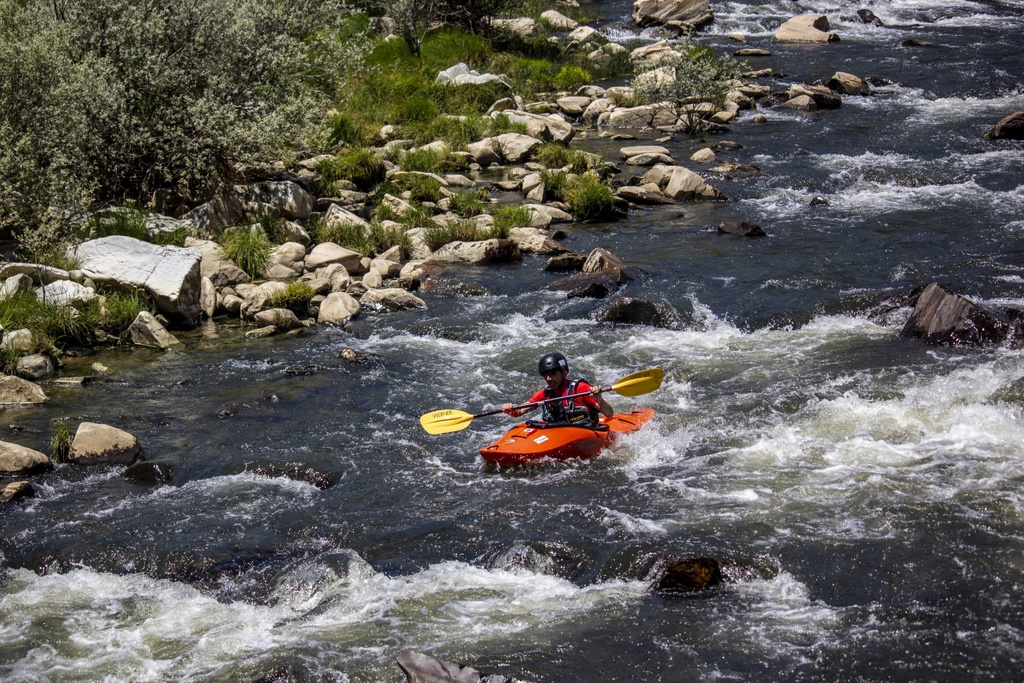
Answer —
554 368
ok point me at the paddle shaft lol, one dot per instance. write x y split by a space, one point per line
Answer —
534 404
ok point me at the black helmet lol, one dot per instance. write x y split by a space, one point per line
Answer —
552 361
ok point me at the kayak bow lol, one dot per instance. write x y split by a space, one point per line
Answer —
530 442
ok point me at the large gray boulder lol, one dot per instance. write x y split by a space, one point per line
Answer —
337 309
945 318
18 460
17 391
687 13
1008 128
277 197
681 184
170 275
100 444
483 251
807 28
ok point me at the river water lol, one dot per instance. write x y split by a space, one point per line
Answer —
862 490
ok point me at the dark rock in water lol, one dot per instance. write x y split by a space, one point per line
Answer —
917 42
1009 128
358 358
944 318
819 201
690 575
421 668
16 490
450 287
150 472
580 284
295 471
302 370
565 263
628 310
593 290
742 228
1011 394
868 17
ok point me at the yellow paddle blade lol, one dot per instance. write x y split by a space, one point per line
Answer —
444 421
638 383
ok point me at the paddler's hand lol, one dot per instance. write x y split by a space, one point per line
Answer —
508 410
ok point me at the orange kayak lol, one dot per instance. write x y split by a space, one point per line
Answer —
529 442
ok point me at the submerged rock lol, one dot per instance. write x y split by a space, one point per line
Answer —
421 668
944 318
689 575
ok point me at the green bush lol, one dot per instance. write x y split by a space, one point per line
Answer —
122 220
295 297
469 203
588 196
107 100
571 77
360 166
249 248
49 324
455 231
511 216
116 311
60 442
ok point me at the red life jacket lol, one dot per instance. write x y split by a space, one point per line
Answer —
568 410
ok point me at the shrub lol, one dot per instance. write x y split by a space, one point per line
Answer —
571 77
60 442
699 77
503 124
59 325
106 100
469 203
455 131
295 297
248 247
123 220
455 231
512 216
118 310
555 155
360 166
588 196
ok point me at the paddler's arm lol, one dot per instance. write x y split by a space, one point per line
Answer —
606 408
509 410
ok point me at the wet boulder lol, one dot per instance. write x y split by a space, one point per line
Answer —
848 84
150 473
483 251
807 28
944 318
628 310
681 184
741 228
691 14
868 17
1009 128
147 331
18 391
421 668
337 309
100 444
566 263
34 367
170 275
18 460
16 490
676 576
603 262
391 299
